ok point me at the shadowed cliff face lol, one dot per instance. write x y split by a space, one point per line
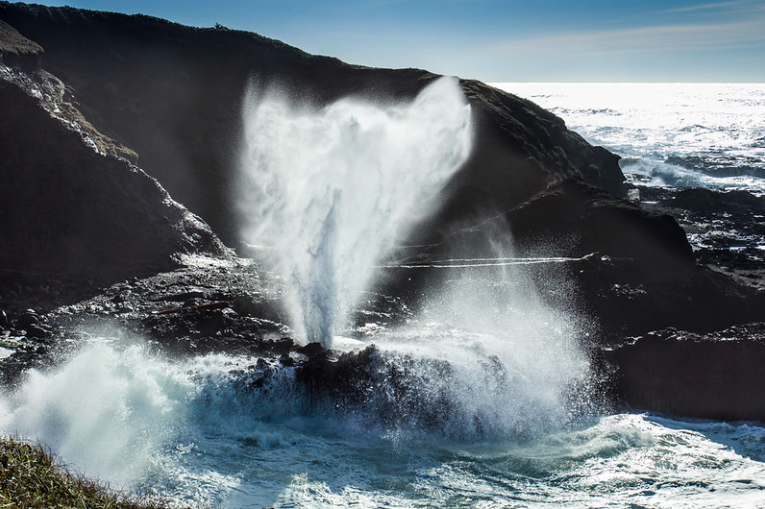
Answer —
173 94
16 50
69 211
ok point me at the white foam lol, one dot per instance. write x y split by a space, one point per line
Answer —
106 410
198 432
721 124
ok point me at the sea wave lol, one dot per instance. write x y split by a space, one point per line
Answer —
713 130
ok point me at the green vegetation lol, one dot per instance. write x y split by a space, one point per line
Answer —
29 477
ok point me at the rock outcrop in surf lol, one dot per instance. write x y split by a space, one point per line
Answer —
88 97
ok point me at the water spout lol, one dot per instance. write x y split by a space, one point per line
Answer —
329 191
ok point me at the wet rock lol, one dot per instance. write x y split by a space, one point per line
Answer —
713 376
710 201
630 300
248 305
37 332
314 350
725 229
392 390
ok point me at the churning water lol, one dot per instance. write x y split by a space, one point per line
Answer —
675 134
481 400
201 432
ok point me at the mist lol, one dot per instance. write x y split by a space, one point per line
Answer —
325 193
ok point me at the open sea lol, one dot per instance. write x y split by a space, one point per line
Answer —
522 427
669 134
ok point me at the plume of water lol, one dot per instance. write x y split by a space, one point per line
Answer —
328 191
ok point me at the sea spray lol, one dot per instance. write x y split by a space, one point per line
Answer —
115 409
326 192
230 431
520 356
106 409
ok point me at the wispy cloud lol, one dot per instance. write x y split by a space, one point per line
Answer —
731 5
661 37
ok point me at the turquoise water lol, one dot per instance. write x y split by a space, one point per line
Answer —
199 432
496 409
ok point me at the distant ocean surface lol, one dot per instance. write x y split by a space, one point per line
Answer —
676 134
229 431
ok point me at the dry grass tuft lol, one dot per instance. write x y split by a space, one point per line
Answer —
29 477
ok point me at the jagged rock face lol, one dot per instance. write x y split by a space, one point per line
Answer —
18 51
591 221
717 375
66 209
573 219
173 94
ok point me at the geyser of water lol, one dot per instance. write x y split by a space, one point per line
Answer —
328 191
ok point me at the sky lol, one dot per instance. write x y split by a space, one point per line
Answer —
502 40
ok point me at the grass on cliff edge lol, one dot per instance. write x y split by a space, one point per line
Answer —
29 477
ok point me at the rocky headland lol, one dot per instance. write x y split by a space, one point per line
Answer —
119 143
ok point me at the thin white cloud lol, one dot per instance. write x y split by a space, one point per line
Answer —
733 4
669 37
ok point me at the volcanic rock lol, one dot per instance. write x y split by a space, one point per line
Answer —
717 375
69 210
174 94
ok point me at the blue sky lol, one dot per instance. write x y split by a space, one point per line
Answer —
502 40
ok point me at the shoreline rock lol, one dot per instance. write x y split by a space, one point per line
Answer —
710 376
97 240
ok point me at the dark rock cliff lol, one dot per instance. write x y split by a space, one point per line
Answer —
69 210
716 376
86 95
173 94
18 51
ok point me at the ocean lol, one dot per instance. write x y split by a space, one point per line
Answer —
669 134
482 400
